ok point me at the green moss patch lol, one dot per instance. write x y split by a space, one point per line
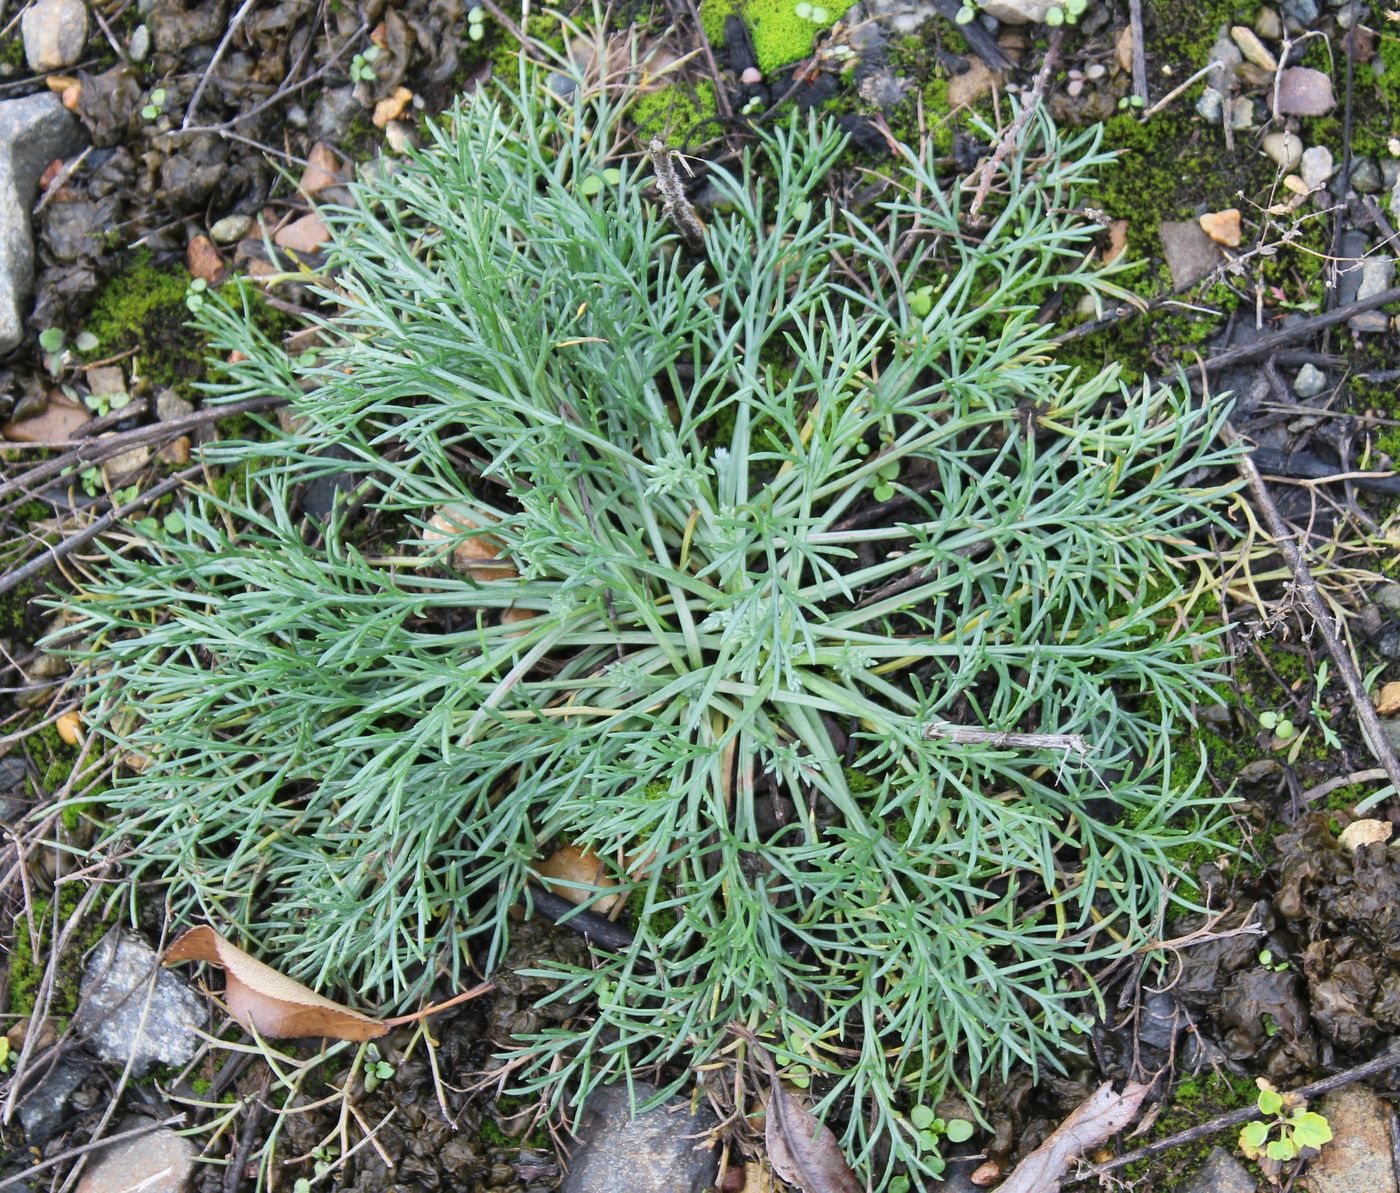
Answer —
780 36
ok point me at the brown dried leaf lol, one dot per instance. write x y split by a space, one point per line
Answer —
1093 1122
802 1150
260 997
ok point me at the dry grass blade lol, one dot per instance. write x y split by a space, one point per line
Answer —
1094 1121
261 998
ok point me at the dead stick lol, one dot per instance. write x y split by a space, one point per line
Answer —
1341 656
1008 141
964 735
66 547
1139 50
1233 1118
1298 331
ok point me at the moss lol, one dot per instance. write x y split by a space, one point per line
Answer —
143 307
12 51
1194 1100
780 36
676 112
27 971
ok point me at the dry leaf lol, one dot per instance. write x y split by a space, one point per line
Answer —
1365 832
801 1150
570 864
260 997
1094 1121
478 555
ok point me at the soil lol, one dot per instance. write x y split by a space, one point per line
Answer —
220 155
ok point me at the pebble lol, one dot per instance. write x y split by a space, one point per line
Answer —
1316 167
1358 1158
400 135
1365 177
1377 274
1284 148
1223 227
44 1106
751 77
1241 113
1190 253
140 44
112 998
1252 48
1310 382
158 1162
124 464
1209 105
1221 1173
170 406
33 132
305 235
59 419
1227 55
1299 13
1303 91
54 32
658 1151
1267 24
230 229
1017 12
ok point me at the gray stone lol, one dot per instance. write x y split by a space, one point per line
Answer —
1303 91
33 132
1018 12
113 998
1252 48
1310 382
55 32
1267 24
333 113
1316 167
140 44
1190 253
1242 112
170 406
1299 14
42 1109
1208 107
1365 176
1358 1158
230 228
159 1162
1377 274
1221 1173
649 1154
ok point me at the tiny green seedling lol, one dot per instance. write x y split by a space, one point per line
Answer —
155 104
1288 1131
593 184
930 1130
377 1069
815 13
194 296
360 69
5 1058
1279 725
476 22
54 345
1266 959
1129 102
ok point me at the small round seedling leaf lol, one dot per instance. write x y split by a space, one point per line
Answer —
922 1117
1270 1101
1310 1129
1265 958
1252 1139
960 1130
174 522
85 341
590 185
802 209
476 32
51 339
883 491
612 176
1268 719
803 11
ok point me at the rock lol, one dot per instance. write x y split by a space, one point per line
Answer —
1358 1158
58 420
107 380
305 235
976 81
160 1162
1223 227
651 1150
1225 56
1316 167
230 229
1365 176
1190 253
1303 91
391 107
176 452
1285 148
1299 14
1387 700
1310 382
323 170
333 114
1018 12
203 260
42 1109
124 464
170 406
1252 48
1209 106
399 135
139 47
1267 23
112 998
1369 322
751 77
1221 1173
33 131
1377 274
55 32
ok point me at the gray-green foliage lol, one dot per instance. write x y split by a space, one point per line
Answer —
352 761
